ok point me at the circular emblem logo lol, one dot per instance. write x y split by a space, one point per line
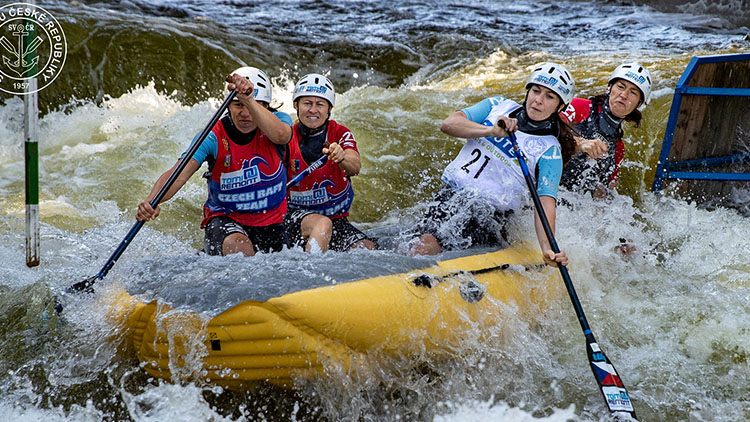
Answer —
32 48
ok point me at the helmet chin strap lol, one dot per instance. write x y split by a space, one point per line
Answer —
306 132
527 125
533 127
608 112
606 122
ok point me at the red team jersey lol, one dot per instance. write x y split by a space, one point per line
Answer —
248 182
327 190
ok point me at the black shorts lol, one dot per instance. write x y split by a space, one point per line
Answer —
459 220
265 239
344 235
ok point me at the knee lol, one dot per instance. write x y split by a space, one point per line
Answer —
319 226
235 243
364 244
426 245
324 225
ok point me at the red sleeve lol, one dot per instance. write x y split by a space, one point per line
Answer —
619 155
344 137
577 111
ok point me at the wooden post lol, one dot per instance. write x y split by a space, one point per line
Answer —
31 148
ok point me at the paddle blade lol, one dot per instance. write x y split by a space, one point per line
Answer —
612 388
85 286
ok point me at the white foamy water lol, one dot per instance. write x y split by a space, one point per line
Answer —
671 316
675 303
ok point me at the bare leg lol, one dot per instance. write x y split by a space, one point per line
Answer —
427 245
318 228
237 242
364 244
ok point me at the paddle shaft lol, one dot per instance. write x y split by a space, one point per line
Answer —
320 162
615 395
159 195
550 236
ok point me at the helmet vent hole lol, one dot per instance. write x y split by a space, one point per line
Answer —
551 69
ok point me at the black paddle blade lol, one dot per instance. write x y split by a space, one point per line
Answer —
85 286
612 388
58 306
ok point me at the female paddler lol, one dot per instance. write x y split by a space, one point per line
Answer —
319 204
484 183
596 168
245 152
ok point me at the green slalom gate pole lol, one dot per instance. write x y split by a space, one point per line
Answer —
31 148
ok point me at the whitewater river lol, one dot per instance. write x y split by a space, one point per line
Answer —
142 78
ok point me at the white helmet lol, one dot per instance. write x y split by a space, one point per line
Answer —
259 79
637 74
315 85
555 77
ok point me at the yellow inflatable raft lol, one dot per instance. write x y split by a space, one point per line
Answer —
297 334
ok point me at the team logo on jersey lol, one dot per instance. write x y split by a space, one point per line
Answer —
248 189
316 196
225 142
570 113
227 160
534 146
247 175
320 200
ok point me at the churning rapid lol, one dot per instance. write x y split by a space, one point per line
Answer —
142 78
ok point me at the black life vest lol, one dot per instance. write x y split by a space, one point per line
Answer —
582 173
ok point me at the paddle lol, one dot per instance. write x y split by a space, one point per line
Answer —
306 172
614 392
87 285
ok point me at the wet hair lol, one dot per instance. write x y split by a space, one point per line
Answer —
635 116
565 137
272 109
